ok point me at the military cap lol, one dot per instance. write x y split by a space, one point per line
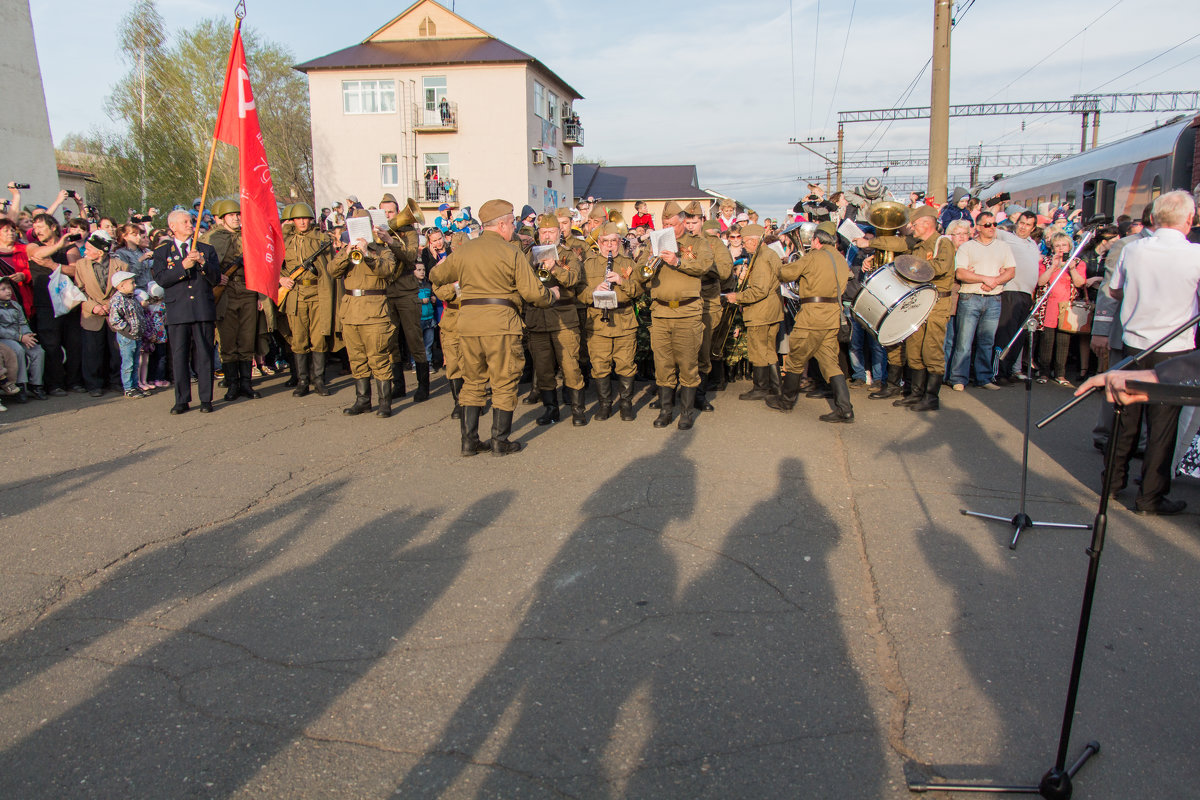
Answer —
923 211
547 221
525 230
598 212
671 209
493 210
388 197
826 226
753 229
223 207
562 213
693 209
711 225
609 229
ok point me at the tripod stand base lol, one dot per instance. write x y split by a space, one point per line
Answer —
1022 522
1055 784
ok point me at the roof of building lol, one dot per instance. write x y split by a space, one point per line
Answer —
677 182
470 46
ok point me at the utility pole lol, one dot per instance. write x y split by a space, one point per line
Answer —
841 143
939 101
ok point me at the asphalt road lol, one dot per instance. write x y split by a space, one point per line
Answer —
276 600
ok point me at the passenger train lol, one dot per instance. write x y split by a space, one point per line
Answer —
1121 177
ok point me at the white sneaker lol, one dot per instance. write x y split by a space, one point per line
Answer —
958 387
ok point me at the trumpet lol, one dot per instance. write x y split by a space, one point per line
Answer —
651 267
544 275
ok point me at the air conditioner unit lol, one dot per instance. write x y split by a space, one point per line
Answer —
567 169
550 163
539 156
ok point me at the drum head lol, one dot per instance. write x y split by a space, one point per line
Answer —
913 268
906 315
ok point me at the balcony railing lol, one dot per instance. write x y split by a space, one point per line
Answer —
443 118
572 132
435 192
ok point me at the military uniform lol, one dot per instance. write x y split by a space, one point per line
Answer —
405 309
612 344
762 312
554 340
678 326
190 311
493 276
309 306
367 327
451 347
821 276
237 313
710 296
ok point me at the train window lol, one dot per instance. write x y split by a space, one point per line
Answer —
1041 205
1054 200
1156 188
1099 197
1071 197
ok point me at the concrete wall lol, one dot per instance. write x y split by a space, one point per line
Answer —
27 152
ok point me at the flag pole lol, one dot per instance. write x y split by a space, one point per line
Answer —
238 12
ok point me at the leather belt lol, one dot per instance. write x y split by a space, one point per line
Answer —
451 305
943 294
563 302
804 300
366 292
676 303
490 301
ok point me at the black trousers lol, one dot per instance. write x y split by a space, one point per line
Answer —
60 337
1162 423
1014 308
101 359
192 348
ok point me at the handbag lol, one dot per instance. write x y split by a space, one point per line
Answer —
64 294
1075 314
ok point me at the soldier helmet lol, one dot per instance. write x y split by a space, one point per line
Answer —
298 211
223 207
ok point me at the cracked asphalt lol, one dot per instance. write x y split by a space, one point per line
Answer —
276 600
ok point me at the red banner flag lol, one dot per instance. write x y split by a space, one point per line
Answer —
237 124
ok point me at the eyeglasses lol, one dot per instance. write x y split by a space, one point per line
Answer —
987 225
735 236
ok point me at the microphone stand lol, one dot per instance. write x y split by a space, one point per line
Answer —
1021 521
1056 783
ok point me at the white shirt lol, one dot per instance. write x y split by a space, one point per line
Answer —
1160 281
986 260
1027 255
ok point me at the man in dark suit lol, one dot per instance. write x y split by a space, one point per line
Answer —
187 276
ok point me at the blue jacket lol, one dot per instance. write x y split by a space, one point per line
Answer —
187 292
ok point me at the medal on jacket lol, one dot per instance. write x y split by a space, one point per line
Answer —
689 253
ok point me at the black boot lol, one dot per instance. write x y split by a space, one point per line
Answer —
919 377
398 388
655 396
717 377
760 391
604 393
384 390
501 426
455 388
469 426
550 412
578 409
788 394
422 383
22 396
246 375
844 412
687 407
300 373
700 403
362 397
666 406
930 401
233 379
318 374
533 398
626 400
294 377
820 391
774 382
890 387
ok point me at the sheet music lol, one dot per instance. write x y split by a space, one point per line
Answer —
778 248
378 218
663 241
850 230
545 252
604 299
359 228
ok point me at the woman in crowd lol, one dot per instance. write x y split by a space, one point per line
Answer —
61 337
14 263
1055 344
133 248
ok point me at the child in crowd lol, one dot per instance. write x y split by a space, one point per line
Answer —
126 319
428 311
153 362
8 371
18 337
640 217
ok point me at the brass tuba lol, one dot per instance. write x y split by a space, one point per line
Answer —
409 215
887 217
613 217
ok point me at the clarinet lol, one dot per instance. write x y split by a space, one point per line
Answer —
606 314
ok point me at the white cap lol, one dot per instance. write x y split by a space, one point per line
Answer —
118 277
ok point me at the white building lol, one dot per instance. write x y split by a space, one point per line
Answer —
27 155
431 94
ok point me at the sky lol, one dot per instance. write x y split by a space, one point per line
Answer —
725 86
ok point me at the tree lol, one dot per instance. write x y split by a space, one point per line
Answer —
167 106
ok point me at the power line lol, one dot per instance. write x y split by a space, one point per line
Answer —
816 43
1147 61
841 62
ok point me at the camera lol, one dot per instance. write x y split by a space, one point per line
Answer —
74 237
20 186
137 219
73 194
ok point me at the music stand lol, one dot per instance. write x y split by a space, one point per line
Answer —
1056 783
1021 520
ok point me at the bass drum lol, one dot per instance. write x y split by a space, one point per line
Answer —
892 307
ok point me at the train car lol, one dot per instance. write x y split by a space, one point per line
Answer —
1113 179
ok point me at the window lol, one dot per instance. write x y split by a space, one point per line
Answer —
368 97
552 109
427 28
1156 188
438 183
389 169
539 99
434 88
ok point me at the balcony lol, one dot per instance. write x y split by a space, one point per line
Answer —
572 132
432 193
441 119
